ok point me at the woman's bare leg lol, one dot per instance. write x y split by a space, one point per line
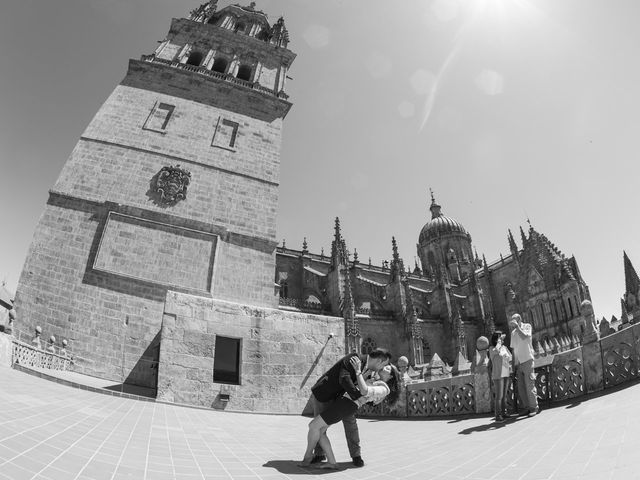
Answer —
328 450
317 427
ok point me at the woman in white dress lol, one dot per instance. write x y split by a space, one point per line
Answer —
373 391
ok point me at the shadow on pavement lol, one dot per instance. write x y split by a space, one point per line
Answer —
291 467
491 426
132 389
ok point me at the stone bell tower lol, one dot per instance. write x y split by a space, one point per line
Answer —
172 186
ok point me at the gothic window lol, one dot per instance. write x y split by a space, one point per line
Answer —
244 72
225 134
426 350
240 28
368 345
284 289
570 307
542 316
195 58
159 117
226 360
220 65
547 313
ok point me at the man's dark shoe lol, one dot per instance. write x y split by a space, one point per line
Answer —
318 459
358 462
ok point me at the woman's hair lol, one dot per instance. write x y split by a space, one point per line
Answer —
394 383
495 337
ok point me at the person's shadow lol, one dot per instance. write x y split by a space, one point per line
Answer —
290 467
489 426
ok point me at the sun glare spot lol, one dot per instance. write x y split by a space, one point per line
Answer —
378 65
490 82
406 109
422 81
317 36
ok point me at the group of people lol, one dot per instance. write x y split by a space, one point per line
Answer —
356 380
504 361
352 382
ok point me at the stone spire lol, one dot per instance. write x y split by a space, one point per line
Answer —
523 236
631 280
279 33
435 208
397 265
513 246
339 254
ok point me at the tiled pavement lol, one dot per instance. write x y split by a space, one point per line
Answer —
52 431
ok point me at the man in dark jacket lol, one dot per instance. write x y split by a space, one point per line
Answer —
333 384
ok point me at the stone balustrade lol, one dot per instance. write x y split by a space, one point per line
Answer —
30 356
210 73
561 377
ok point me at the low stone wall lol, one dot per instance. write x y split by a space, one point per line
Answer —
282 354
30 356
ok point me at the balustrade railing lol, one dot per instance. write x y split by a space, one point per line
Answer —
220 76
31 356
300 304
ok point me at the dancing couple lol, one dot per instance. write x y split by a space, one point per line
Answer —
353 381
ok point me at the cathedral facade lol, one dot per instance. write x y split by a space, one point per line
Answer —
444 304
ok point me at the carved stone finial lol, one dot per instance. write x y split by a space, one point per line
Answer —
204 12
304 246
284 243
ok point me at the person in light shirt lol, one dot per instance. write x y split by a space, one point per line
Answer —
500 374
521 344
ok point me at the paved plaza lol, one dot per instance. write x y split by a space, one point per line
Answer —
53 431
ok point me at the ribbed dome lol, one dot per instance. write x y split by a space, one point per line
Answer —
440 225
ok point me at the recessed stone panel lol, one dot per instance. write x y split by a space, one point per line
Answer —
157 253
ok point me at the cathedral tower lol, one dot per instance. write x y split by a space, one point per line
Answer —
172 186
444 247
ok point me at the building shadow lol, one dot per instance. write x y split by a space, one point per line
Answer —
133 390
290 467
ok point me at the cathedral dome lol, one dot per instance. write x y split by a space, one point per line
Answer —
440 225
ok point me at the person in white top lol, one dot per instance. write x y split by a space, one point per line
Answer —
500 374
373 391
521 344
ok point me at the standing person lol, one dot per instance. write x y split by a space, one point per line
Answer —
331 386
521 344
388 386
500 374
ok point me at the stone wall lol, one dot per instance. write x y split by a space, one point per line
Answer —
5 349
282 354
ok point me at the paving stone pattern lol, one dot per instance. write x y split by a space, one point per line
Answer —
51 431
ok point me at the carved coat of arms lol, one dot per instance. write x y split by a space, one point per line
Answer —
172 184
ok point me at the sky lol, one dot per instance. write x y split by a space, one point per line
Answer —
509 110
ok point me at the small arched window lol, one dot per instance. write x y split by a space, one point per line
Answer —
195 58
240 27
220 65
244 72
